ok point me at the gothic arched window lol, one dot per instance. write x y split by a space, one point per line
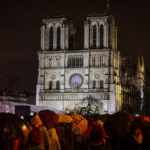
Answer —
50 62
94 36
51 39
82 61
69 62
79 62
101 36
101 84
94 84
73 62
57 85
58 38
50 85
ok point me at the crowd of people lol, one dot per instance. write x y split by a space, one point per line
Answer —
63 137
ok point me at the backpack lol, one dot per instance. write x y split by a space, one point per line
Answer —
96 134
36 137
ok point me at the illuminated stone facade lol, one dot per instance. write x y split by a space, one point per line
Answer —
66 76
132 83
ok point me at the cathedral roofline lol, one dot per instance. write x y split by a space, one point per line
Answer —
58 16
95 14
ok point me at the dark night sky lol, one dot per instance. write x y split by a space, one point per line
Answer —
20 31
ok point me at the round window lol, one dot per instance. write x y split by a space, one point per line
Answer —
76 80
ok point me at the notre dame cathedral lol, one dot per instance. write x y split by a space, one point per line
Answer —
66 76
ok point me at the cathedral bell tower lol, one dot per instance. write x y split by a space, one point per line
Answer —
57 33
100 31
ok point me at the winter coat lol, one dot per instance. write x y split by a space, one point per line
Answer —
65 134
17 144
45 139
54 140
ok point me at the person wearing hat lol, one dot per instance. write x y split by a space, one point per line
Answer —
39 139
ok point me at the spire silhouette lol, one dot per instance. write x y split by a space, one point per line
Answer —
108 5
138 65
142 67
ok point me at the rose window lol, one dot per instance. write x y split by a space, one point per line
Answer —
76 80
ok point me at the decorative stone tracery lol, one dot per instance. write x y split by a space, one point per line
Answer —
97 60
75 61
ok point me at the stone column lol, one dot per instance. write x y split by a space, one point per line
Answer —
98 36
62 44
37 94
113 37
96 60
111 76
101 60
116 37
66 61
91 37
67 37
47 61
42 37
62 83
90 60
55 39
110 35
85 60
52 62
111 61
55 62
71 61
105 35
62 60
79 61
47 38
86 35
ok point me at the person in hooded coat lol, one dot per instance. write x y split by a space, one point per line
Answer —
54 140
135 140
37 125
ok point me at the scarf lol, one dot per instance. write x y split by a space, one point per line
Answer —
36 137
